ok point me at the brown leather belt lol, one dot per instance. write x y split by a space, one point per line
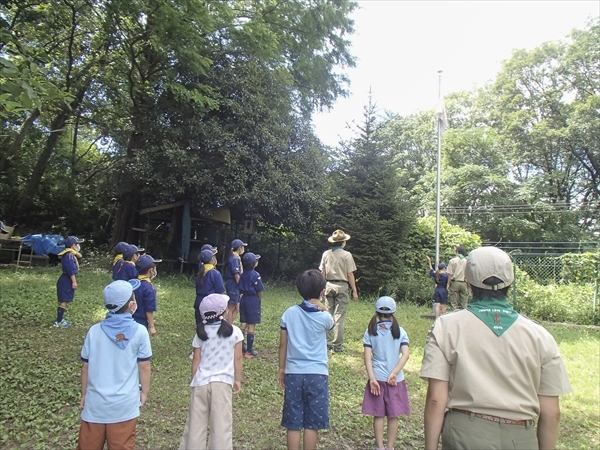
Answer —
493 418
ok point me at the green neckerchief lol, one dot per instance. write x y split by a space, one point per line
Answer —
497 314
461 256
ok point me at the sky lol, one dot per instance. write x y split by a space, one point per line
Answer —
401 45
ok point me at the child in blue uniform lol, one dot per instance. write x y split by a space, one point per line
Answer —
67 282
125 270
233 270
119 249
208 280
146 293
440 294
385 393
251 288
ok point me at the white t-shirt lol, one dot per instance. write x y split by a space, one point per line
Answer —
216 356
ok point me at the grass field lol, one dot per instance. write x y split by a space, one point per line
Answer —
40 366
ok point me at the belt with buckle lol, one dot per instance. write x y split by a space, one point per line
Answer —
493 418
337 281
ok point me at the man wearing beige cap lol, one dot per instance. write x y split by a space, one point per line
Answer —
337 266
491 371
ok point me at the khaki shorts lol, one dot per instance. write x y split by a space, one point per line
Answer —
464 432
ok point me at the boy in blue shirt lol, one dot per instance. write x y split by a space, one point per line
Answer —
146 294
303 370
115 374
251 288
125 269
67 282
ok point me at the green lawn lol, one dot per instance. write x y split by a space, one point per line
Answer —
39 384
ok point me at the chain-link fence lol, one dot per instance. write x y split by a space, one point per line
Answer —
570 278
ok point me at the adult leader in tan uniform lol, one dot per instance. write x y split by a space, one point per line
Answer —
337 266
457 287
495 370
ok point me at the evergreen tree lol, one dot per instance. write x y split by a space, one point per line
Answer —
368 202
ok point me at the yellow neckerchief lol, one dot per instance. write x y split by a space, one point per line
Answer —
208 267
117 258
145 278
130 262
73 252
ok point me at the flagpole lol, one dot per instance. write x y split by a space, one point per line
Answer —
439 175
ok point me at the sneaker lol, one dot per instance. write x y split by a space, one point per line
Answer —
192 355
330 348
338 350
254 353
249 355
62 324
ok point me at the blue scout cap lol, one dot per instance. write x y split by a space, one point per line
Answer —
205 256
209 247
385 305
117 293
249 258
441 266
72 240
131 250
145 261
237 243
120 247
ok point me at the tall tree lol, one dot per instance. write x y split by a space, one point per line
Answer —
368 202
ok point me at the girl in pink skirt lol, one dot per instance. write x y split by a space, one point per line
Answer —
386 352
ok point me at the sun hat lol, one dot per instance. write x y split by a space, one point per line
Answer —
205 256
385 305
250 258
117 293
237 243
121 246
213 305
144 262
338 236
209 247
131 250
486 262
72 240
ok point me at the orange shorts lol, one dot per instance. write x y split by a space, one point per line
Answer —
120 435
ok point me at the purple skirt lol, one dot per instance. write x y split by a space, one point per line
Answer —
392 401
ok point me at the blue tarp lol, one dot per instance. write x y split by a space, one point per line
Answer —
44 244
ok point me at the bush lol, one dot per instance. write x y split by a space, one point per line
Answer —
571 303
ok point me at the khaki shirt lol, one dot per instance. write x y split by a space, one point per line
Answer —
337 263
456 268
497 375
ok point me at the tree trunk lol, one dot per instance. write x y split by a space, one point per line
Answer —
14 148
58 123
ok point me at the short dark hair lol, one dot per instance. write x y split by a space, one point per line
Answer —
479 293
461 250
310 284
146 269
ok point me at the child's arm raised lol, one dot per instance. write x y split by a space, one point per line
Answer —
374 385
401 362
